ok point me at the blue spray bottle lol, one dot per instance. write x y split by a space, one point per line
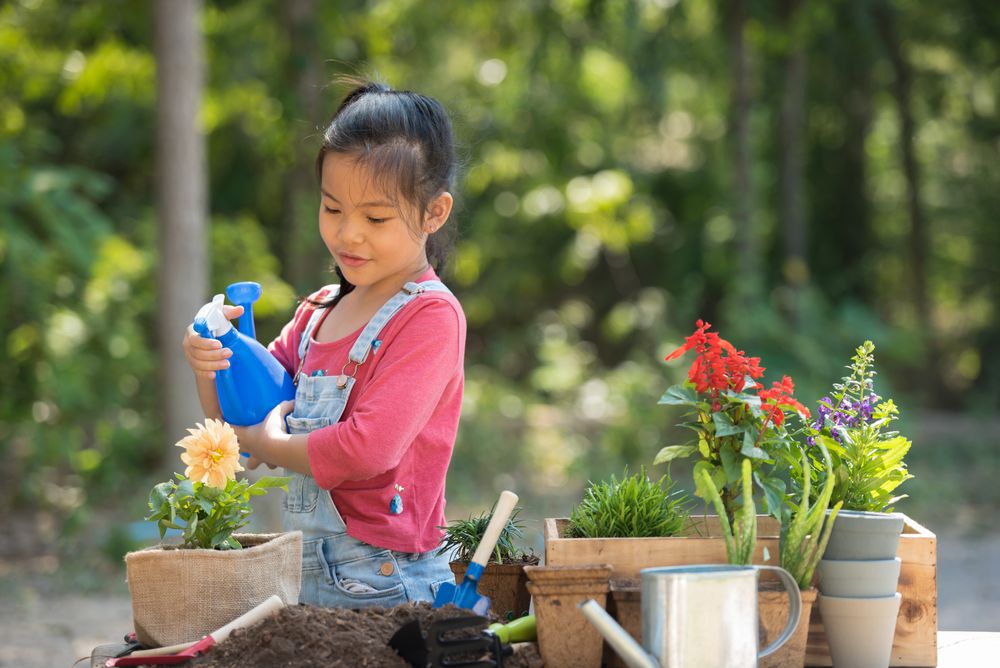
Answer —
255 381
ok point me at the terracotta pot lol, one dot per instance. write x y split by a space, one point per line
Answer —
625 606
772 611
505 584
565 637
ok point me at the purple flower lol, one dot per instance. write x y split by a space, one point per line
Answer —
866 408
825 407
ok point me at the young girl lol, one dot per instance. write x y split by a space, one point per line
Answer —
377 360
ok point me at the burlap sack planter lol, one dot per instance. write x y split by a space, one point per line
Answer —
181 595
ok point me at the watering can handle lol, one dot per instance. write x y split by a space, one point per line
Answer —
505 506
794 610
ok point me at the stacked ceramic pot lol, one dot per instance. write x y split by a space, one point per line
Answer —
857 583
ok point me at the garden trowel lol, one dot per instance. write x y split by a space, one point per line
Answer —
180 653
466 595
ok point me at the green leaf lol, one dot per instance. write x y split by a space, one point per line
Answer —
679 395
209 493
703 448
750 449
205 505
730 464
184 490
724 425
274 481
702 468
159 494
672 452
774 493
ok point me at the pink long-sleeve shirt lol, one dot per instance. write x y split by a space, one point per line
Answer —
399 426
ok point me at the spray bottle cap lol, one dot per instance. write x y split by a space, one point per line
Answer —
211 317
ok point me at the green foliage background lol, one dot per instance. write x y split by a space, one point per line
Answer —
595 217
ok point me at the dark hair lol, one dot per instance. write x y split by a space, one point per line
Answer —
405 140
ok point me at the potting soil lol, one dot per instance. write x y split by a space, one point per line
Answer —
310 636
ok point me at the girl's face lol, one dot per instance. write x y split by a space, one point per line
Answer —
367 235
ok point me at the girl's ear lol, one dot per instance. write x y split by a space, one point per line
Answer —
437 212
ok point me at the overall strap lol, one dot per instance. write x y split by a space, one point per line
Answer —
361 347
306 339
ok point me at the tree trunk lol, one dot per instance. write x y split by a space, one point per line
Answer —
304 256
181 201
791 159
746 240
902 92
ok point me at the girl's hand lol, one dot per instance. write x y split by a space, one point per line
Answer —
206 356
263 438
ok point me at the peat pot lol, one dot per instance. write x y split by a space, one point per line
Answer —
773 608
565 638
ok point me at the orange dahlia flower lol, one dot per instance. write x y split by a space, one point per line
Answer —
212 453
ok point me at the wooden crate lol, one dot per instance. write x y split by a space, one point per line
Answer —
701 544
915 643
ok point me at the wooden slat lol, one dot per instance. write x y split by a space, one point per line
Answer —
628 556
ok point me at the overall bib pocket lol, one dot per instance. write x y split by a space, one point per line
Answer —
303 492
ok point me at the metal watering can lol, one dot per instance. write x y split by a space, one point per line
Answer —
697 616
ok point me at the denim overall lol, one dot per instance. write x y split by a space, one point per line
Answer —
339 570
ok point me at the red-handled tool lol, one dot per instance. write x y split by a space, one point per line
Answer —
180 653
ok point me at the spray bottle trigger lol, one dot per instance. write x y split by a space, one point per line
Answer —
211 321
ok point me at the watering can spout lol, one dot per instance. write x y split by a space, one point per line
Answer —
627 648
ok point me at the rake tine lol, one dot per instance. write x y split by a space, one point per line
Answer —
441 651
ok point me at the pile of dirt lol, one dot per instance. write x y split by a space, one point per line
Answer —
310 636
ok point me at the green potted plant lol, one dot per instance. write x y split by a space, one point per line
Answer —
734 420
503 580
743 438
854 424
208 504
633 507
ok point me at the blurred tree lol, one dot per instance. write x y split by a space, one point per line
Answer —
791 152
302 255
181 201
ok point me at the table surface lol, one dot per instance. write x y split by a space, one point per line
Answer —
956 649
962 649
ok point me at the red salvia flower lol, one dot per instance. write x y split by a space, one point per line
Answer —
719 366
779 397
